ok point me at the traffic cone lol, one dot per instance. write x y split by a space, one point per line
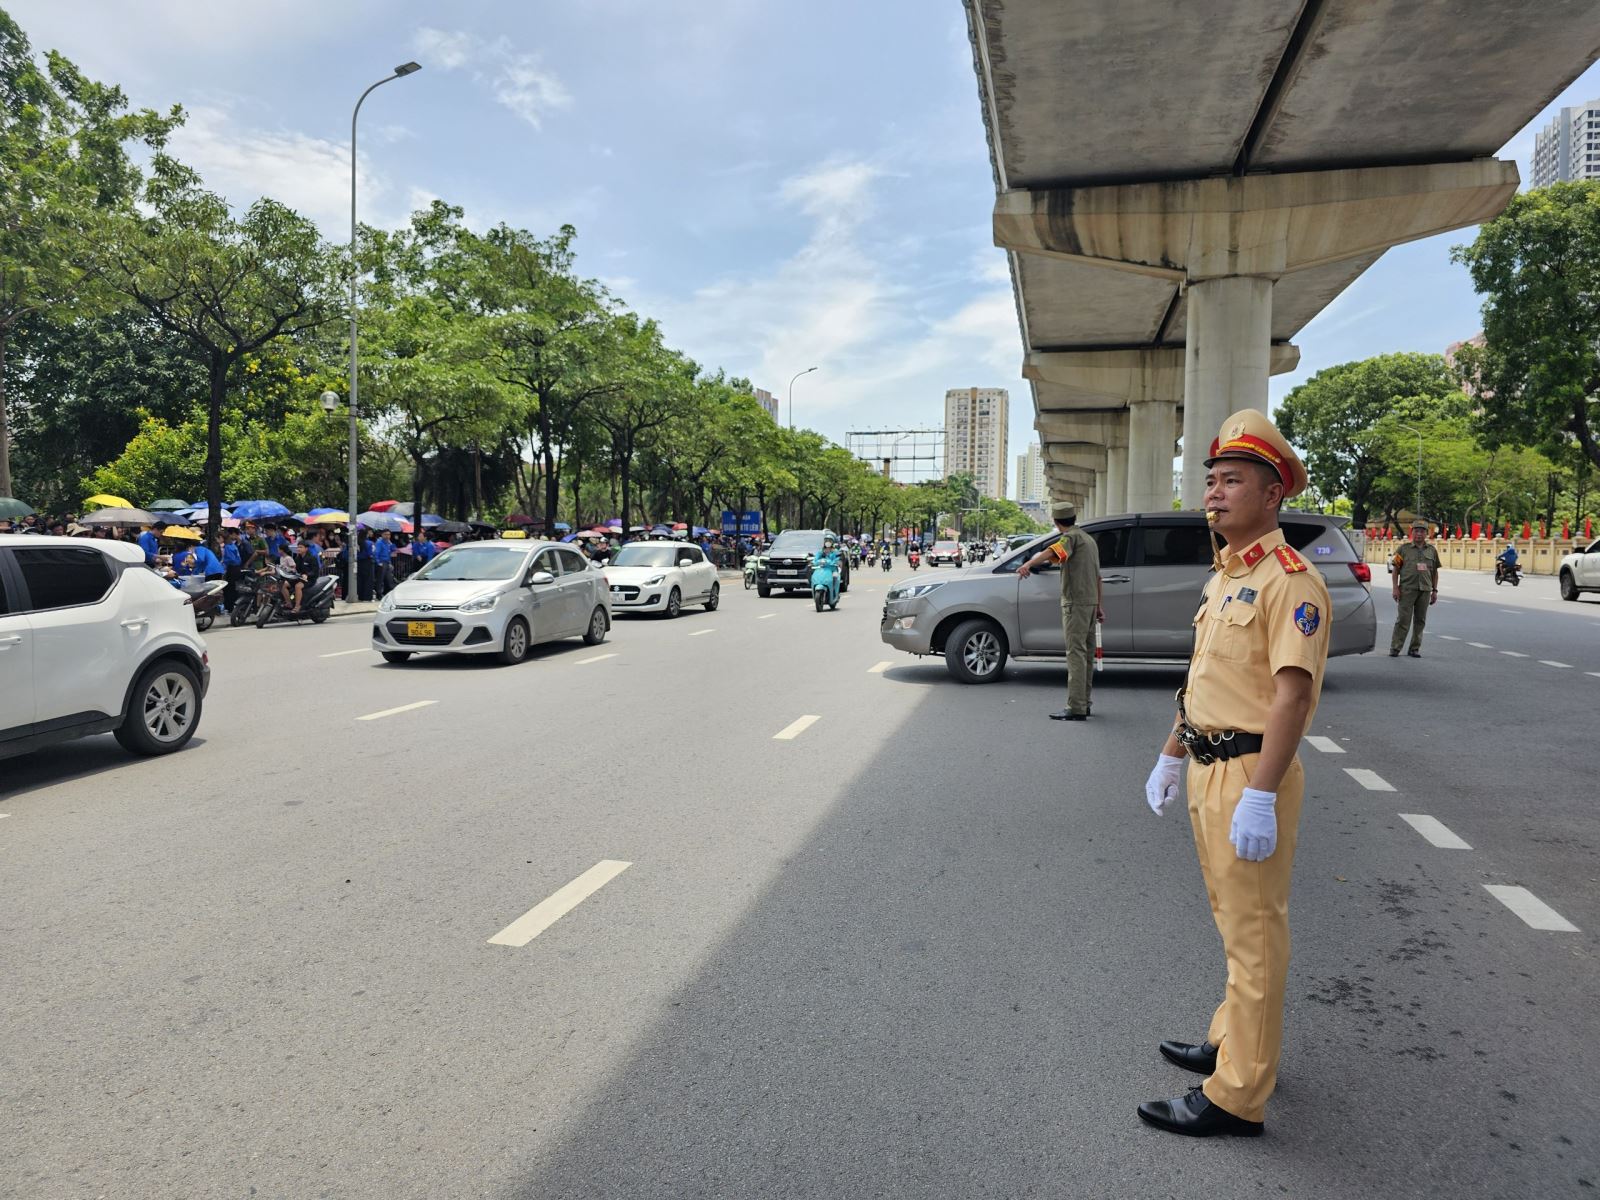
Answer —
1099 649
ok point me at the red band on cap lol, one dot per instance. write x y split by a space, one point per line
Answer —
1248 445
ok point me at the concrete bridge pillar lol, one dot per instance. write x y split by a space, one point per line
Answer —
1226 364
1116 479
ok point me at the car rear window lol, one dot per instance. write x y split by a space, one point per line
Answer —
1301 534
63 576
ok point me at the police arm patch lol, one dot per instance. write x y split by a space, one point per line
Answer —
1307 617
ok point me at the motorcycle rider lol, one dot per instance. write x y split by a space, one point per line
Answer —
290 581
1506 563
829 560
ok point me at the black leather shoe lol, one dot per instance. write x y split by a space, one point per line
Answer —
1201 1058
1194 1116
1060 715
1394 654
1413 653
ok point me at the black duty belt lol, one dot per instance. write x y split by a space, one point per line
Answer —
1208 748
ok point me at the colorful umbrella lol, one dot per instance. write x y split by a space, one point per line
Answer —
383 506
329 516
101 500
383 520
317 512
11 509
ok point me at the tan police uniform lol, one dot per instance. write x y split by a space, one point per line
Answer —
1080 600
1265 609
1417 579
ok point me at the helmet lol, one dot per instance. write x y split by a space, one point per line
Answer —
827 542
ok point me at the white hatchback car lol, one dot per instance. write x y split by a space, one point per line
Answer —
93 641
661 577
1580 571
497 597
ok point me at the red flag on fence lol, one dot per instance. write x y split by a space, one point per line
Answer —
1527 530
1477 530
1566 532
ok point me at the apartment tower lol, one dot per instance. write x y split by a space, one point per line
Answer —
975 425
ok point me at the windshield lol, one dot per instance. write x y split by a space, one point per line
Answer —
490 562
658 555
797 541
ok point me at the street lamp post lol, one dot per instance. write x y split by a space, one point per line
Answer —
807 371
401 71
1418 432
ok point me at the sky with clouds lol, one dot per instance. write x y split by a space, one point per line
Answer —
781 184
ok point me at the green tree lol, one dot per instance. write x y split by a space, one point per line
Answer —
1331 417
64 162
1537 266
226 286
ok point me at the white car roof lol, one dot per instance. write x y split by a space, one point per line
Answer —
126 552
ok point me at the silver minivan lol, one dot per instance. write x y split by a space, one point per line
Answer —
1153 567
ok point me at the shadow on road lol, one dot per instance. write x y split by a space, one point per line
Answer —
77 759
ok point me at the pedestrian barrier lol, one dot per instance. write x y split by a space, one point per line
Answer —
1538 556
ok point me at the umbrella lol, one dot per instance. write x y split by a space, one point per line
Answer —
571 537
329 516
174 518
383 506
588 534
101 500
382 521
614 523
429 520
260 510
563 527
519 519
448 526
120 515
170 505
181 533
317 512
679 525
403 507
10 508
302 517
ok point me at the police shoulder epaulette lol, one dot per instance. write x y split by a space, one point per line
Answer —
1290 561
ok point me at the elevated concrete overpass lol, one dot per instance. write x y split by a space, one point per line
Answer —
1181 188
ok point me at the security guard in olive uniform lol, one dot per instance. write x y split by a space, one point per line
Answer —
1080 604
1416 588
1261 643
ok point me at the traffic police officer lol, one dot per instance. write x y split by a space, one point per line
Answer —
1079 558
1416 587
1261 642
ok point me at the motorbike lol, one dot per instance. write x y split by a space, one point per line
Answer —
914 559
244 598
752 564
205 597
1506 572
883 561
825 585
316 605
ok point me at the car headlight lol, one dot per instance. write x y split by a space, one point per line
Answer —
654 580
387 603
479 604
911 591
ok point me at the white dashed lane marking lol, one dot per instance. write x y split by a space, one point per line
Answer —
795 729
1511 612
342 653
1448 638
1370 780
1481 645
879 668
547 912
766 616
1535 913
1596 674
1549 662
1326 744
1513 654
389 712
701 632
1434 831
583 662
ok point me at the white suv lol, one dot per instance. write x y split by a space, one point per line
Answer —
93 641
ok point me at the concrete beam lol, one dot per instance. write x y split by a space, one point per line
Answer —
1271 225
1073 454
1093 428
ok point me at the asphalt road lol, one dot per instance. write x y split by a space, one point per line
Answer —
924 946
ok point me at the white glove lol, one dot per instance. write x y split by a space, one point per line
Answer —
1161 789
1254 833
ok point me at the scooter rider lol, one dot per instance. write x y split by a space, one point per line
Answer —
829 560
1506 562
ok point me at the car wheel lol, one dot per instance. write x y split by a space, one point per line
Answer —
163 709
202 621
715 598
1569 590
763 590
674 604
975 652
515 647
396 656
597 627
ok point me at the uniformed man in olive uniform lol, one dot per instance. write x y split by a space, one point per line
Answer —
1079 558
1261 643
1416 589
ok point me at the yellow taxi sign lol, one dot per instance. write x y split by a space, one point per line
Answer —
513 533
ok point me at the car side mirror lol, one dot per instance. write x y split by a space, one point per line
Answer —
540 578
686 562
